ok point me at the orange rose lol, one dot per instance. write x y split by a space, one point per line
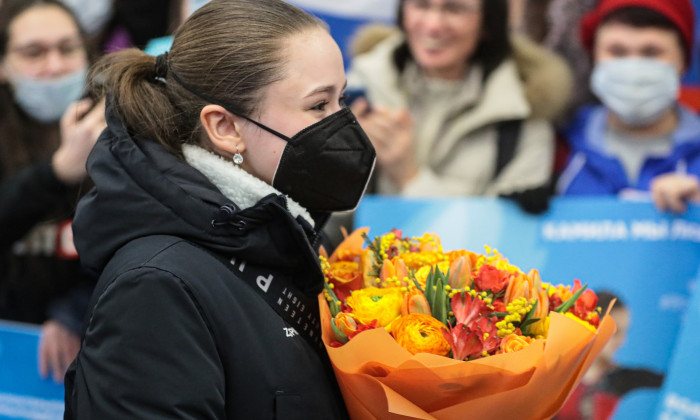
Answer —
512 343
420 333
346 323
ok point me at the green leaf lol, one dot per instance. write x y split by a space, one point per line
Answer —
531 313
440 309
342 338
415 282
564 307
528 320
334 304
366 238
429 292
525 324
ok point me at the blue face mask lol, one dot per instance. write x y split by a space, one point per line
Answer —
639 91
46 100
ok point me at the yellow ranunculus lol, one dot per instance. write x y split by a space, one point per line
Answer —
370 303
420 333
416 260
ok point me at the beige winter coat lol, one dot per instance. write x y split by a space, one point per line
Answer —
454 134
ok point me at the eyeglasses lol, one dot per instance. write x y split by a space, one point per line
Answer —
450 8
35 52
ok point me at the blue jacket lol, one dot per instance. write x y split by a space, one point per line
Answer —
591 171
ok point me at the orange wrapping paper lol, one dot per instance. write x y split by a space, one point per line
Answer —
381 380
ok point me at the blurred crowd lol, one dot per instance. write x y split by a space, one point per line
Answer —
520 99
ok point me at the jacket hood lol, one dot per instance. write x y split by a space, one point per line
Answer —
547 79
141 189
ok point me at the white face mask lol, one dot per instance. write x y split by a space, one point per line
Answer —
637 90
46 100
92 14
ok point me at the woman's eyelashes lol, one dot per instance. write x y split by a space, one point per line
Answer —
321 106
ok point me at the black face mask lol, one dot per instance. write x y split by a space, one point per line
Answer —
327 165
324 167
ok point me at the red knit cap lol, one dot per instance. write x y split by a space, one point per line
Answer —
680 12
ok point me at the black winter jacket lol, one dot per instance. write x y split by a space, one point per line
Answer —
171 332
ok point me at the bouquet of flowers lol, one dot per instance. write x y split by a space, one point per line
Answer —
414 332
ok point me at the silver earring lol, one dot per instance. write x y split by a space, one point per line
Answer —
237 158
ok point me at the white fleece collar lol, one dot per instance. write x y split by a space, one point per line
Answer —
234 183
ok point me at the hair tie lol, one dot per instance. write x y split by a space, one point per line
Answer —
161 66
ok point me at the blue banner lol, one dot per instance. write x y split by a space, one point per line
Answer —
681 397
23 393
650 260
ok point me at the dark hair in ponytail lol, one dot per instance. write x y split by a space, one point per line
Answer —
227 51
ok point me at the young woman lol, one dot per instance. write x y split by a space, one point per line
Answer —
219 164
640 138
43 68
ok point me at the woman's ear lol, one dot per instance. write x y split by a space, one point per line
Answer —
223 129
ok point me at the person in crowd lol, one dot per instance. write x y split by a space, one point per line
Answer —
220 162
43 68
606 383
640 138
456 107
